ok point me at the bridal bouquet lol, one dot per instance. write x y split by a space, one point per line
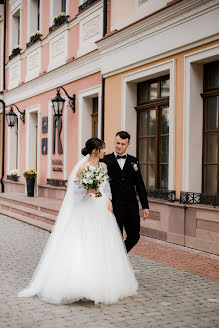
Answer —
92 177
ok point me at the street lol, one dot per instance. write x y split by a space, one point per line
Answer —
167 296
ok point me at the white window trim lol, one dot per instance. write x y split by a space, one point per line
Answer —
51 10
21 24
35 109
49 146
189 170
95 91
129 101
28 19
9 142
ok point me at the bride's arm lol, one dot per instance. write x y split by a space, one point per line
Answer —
107 189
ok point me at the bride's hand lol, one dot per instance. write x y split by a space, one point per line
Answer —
110 206
92 191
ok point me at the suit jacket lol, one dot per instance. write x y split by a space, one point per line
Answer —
126 183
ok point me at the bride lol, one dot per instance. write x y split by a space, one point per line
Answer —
85 257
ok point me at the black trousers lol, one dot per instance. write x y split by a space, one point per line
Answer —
128 218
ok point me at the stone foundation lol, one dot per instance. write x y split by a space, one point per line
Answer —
195 226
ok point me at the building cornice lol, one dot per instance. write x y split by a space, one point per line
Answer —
156 22
145 41
75 70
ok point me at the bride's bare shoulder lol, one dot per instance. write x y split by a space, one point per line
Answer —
103 165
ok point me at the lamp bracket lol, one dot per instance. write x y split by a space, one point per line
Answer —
71 99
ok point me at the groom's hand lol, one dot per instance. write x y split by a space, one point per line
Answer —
146 214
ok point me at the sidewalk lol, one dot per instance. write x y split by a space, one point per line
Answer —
203 264
167 296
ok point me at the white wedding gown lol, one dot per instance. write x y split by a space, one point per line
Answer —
85 256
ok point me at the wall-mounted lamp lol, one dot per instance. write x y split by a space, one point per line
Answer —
58 102
11 116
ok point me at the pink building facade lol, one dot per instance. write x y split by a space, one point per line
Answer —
41 56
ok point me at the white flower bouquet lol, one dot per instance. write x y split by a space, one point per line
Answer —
92 177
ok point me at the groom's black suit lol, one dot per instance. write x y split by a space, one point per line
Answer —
124 185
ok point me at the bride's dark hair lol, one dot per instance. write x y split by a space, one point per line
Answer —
91 144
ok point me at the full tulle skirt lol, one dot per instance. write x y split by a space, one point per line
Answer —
85 257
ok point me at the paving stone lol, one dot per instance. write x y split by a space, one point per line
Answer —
167 296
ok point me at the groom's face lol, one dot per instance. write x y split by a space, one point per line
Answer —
121 145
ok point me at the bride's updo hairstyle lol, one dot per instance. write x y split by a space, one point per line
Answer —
91 144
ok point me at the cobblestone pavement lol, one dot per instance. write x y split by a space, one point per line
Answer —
167 297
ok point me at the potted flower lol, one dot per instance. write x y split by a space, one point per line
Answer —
59 17
15 51
13 175
34 35
30 176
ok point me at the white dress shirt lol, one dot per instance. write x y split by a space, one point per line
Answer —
121 161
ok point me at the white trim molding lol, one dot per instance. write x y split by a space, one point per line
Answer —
158 36
129 101
49 150
193 116
84 112
78 69
36 109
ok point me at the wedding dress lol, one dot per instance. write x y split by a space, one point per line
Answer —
85 256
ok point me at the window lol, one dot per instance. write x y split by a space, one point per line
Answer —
94 116
58 7
15 20
210 183
34 16
153 131
63 7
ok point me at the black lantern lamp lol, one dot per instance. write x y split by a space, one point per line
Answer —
58 102
11 116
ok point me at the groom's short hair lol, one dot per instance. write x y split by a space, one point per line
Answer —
123 135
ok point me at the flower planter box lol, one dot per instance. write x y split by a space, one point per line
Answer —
87 4
59 23
12 177
34 40
15 53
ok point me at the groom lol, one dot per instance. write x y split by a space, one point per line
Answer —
125 181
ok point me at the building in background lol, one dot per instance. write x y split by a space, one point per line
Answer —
148 67
161 70
51 44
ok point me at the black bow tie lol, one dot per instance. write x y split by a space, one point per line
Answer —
118 156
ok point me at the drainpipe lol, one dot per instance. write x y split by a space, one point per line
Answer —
3 103
4 44
103 79
3 145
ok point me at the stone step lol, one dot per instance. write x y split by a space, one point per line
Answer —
34 222
27 203
27 211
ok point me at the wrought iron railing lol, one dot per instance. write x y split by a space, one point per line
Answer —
169 195
86 5
56 182
35 39
59 23
199 198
